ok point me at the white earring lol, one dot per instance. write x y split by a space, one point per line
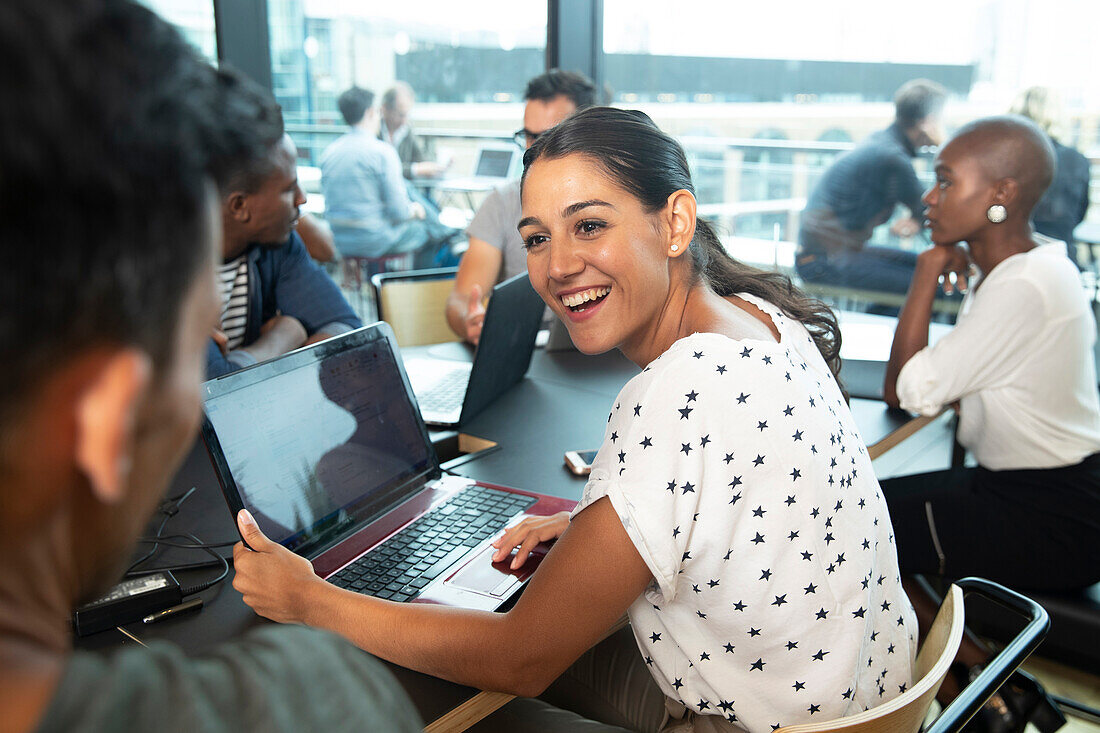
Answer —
675 248
996 214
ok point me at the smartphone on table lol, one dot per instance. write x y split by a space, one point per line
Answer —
579 462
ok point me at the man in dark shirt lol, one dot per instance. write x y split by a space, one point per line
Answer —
274 297
106 126
859 192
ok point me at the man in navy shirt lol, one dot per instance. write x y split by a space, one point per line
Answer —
859 192
274 297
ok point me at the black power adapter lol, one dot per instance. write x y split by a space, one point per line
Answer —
127 602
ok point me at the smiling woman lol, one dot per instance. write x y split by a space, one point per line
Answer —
732 513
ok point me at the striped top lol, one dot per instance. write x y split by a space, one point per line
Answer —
233 279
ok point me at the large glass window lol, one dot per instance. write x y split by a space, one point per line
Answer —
468 67
194 18
765 95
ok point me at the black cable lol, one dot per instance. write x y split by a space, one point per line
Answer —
198 545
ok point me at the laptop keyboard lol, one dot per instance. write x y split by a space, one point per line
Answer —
447 394
402 565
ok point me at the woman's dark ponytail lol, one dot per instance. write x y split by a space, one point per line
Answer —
650 165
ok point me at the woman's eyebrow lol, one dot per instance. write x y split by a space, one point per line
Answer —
528 221
572 209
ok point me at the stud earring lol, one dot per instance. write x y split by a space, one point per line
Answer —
996 214
675 248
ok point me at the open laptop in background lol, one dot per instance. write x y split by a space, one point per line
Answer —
493 165
451 392
326 448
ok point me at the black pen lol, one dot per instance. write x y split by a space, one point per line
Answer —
193 604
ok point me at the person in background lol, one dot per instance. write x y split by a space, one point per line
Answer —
1066 201
367 201
397 102
496 251
274 297
1018 367
732 511
106 125
860 191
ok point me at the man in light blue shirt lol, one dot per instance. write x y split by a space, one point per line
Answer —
366 198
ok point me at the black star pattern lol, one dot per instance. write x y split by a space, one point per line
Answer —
798 685
788 375
713 582
795 474
779 600
735 498
704 440
701 615
873 635
813 708
765 575
735 483
743 398
637 410
758 664
696 588
759 511
676 531
762 425
901 688
739 606
622 457
815 512
721 368
829 538
811 588
793 535
654 637
725 706
789 411
614 436
788 502
792 645
758 461
671 486
807 555
820 656
688 488
847 694
745 353
797 435
729 648
860 613
890 649
685 448
886 605
822 613
728 458
754 632
686 556
647 442
678 683
698 354
767 360
703 705
691 396
757 539
684 413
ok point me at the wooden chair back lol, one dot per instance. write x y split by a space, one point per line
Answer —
415 307
906 712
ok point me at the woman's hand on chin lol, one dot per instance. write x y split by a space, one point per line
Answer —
949 263
273 580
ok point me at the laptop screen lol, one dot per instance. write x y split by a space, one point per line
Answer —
320 441
494 163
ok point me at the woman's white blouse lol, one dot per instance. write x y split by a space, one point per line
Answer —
1020 362
739 475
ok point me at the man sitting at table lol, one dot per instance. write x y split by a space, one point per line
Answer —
860 191
274 297
104 129
496 249
372 210
397 102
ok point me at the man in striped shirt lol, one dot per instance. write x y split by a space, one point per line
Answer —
274 298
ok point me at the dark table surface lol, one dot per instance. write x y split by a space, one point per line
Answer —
561 405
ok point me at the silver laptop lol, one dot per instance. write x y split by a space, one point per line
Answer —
451 393
326 448
493 165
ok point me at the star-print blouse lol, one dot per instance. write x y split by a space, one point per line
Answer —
741 479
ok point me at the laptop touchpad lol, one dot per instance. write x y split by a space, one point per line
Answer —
482 575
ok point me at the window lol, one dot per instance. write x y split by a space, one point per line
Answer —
193 18
468 68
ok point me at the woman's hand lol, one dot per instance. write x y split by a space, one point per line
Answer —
273 580
528 533
950 264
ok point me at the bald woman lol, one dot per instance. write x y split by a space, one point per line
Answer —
1018 367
